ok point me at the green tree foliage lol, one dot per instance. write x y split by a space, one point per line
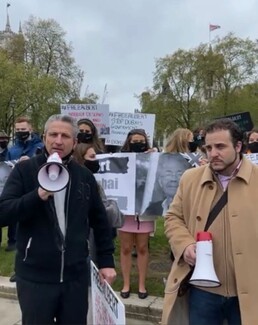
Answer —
37 74
47 49
191 87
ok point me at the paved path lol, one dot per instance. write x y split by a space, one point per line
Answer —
10 314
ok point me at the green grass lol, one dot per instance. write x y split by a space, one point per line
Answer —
159 263
6 258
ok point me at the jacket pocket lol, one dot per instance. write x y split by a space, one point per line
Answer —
27 249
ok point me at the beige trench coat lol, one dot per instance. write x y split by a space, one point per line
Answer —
189 210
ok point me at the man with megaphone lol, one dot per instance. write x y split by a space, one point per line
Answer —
220 198
55 201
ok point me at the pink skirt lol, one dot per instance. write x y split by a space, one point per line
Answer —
132 225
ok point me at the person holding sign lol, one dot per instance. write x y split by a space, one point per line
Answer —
135 231
51 265
88 133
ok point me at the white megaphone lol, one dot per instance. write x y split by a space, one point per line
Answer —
204 274
53 176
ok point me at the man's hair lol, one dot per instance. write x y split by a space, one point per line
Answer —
63 118
226 124
22 119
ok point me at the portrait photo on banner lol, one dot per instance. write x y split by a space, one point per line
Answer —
163 182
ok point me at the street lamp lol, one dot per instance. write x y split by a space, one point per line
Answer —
12 105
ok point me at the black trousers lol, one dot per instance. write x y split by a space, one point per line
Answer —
44 304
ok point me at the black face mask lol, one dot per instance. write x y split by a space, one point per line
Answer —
22 135
253 147
84 137
3 144
92 165
138 147
192 146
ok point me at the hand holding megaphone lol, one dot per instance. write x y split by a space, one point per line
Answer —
53 176
204 274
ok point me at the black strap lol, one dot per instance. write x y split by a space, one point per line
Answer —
216 209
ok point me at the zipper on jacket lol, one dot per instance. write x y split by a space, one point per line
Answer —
62 265
66 223
27 248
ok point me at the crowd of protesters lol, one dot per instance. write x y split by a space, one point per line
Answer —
135 233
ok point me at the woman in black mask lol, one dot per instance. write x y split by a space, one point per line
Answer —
134 231
88 133
85 155
137 141
252 146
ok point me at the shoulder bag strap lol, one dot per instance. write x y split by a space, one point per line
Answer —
216 209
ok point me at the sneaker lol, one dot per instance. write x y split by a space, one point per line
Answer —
13 278
10 248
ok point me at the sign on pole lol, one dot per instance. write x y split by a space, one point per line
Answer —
122 123
107 308
97 113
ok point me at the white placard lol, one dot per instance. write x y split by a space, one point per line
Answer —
107 308
253 157
122 123
97 113
117 177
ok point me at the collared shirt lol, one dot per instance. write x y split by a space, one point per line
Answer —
224 180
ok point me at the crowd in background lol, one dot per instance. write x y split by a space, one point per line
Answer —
133 233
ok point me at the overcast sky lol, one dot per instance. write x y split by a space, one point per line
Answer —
116 42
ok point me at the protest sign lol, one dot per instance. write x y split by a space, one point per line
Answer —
117 177
243 120
142 184
122 123
97 113
145 184
253 157
107 308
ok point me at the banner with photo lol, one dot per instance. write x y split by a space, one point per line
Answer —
122 123
117 177
143 184
97 113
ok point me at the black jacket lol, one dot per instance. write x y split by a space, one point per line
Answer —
43 254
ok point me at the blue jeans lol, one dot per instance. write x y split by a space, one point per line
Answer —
209 308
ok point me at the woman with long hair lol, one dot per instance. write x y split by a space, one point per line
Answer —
181 140
135 232
88 133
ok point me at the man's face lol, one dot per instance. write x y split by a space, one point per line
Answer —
59 138
170 176
221 153
22 127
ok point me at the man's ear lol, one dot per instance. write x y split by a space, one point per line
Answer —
239 146
75 143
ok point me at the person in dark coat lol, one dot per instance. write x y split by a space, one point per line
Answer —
52 250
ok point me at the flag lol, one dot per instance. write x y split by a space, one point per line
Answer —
213 27
8 5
